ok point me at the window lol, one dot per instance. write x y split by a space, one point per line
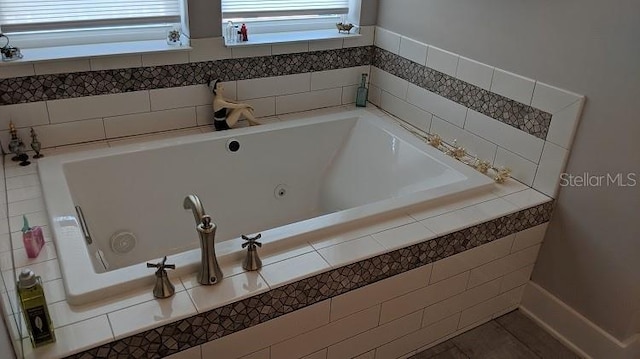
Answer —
44 23
269 16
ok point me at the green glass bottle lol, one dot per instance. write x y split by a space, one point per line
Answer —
34 308
363 92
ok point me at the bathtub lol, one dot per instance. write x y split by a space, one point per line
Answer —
285 180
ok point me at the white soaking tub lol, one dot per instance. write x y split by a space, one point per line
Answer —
286 180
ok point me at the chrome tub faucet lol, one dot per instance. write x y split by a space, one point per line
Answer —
209 272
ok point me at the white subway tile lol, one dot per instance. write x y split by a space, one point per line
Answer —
379 292
351 251
24 114
516 279
552 99
406 111
485 310
73 338
423 297
290 48
413 50
458 303
150 122
229 290
443 61
261 354
263 107
529 237
308 100
527 198
115 62
552 162
563 125
513 86
365 228
95 145
90 107
250 51
521 169
503 266
475 73
321 80
20 258
368 355
349 94
185 96
16 70
449 204
403 236
508 137
418 339
321 45
165 58
493 209
151 314
191 353
437 105
268 333
452 221
470 259
54 290
71 132
375 94
375 337
59 67
209 49
273 86
474 145
387 40
22 181
389 83
323 337
280 273
366 38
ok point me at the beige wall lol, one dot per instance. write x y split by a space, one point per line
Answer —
590 255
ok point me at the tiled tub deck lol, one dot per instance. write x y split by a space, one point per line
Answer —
382 288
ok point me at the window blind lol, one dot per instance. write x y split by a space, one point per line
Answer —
47 15
269 8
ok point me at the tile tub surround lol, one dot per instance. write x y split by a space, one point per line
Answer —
501 117
513 207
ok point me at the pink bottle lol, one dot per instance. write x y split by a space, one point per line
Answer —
33 239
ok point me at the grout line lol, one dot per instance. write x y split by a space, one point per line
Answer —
515 337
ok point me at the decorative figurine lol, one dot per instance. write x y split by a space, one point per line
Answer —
344 27
14 143
35 144
16 146
9 53
226 112
243 32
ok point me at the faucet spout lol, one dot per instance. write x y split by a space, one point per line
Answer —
209 272
193 203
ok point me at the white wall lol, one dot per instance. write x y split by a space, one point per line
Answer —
589 259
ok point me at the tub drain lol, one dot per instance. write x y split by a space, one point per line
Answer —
280 191
123 242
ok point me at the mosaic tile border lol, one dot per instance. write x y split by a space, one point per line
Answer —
228 319
524 117
69 85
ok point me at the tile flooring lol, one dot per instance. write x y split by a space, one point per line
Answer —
512 336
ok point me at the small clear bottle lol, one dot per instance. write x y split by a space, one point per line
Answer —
230 33
34 308
362 92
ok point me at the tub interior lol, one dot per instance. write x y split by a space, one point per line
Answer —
275 178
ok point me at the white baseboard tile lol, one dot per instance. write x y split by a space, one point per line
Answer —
573 329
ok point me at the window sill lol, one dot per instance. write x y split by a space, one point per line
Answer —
93 50
287 37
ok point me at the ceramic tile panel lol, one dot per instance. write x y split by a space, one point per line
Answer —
156 75
513 86
236 316
443 61
517 114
